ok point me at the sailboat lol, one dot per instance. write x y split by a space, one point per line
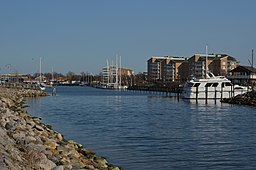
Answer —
112 76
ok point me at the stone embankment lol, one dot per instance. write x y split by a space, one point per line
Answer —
248 98
26 143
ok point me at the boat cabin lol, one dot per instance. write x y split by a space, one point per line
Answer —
198 84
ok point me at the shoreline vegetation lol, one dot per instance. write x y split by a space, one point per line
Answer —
26 143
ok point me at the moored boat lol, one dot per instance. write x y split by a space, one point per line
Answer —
42 86
211 87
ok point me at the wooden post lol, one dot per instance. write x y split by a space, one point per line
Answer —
215 95
196 94
221 95
206 94
178 93
232 90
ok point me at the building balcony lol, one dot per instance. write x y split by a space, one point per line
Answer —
241 76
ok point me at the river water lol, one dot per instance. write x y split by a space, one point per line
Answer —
144 131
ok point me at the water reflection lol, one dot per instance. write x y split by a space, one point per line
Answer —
203 102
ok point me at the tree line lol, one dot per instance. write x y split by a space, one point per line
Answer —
139 78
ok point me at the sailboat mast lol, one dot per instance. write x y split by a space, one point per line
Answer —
116 69
52 75
40 70
120 71
108 71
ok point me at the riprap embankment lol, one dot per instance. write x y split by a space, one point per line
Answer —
27 143
248 98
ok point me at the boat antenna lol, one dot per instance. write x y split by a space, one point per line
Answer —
251 62
252 59
206 60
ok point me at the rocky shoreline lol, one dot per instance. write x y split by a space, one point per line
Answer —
248 98
26 143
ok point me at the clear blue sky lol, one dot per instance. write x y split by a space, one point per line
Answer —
80 35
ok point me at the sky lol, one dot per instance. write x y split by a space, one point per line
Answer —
81 35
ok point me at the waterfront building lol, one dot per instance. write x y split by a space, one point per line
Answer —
223 64
218 64
154 68
112 74
164 68
245 75
198 63
105 75
12 78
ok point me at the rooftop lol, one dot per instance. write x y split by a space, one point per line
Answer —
168 57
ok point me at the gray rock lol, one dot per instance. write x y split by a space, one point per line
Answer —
102 162
58 168
19 136
2 164
29 139
39 128
46 164
10 163
4 138
3 110
9 125
36 147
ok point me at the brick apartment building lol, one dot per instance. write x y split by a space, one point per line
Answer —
164 68
223 64
180 68
218 64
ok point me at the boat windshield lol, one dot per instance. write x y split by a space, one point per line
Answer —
208 85
226 84
192 84
196 84
238 88
215 84
211 84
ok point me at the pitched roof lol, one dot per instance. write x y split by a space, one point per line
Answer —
244 68
250 68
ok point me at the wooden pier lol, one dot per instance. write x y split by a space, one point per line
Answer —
170 90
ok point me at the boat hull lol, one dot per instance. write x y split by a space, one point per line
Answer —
215 87
210 93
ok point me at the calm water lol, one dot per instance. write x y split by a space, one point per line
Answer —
142 131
